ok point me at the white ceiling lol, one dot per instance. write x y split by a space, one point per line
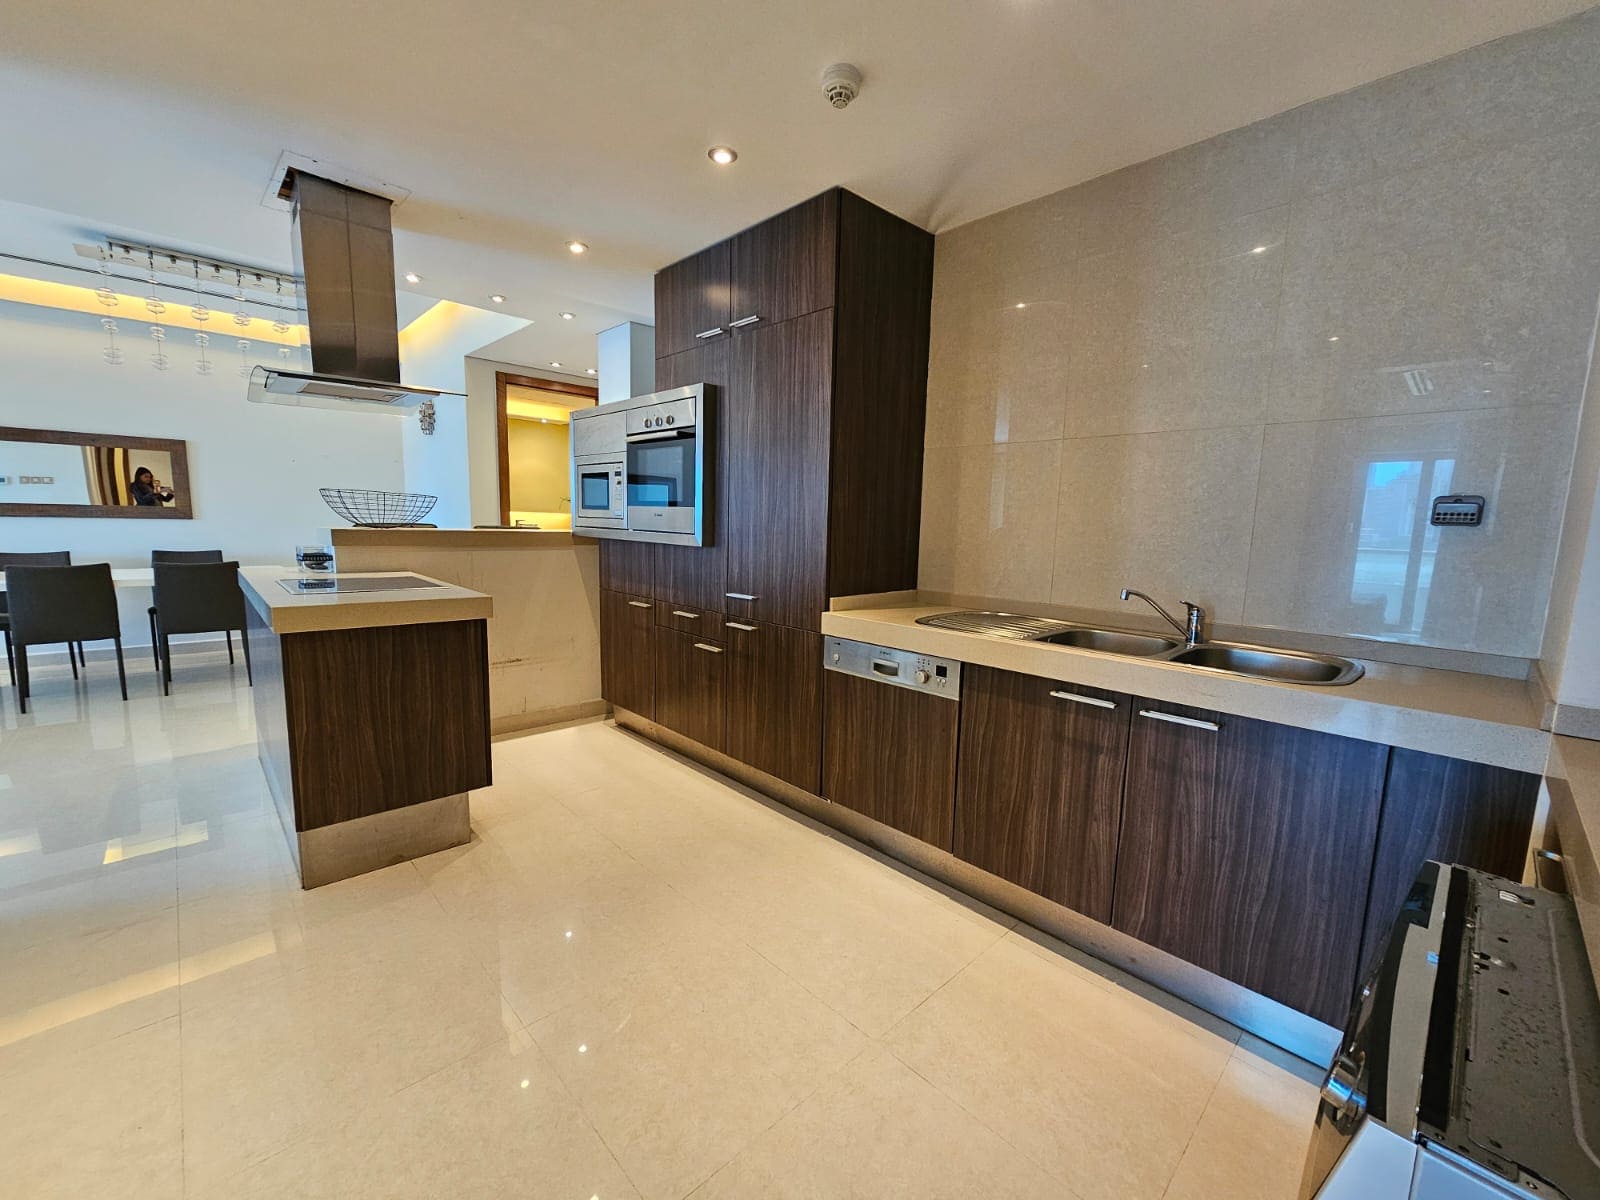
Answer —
518 124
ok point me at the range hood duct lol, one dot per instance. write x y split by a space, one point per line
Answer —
344 258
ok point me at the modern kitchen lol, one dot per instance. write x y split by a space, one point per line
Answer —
1066 678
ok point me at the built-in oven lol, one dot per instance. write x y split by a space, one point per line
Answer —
666 464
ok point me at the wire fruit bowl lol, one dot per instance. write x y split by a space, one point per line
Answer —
379 510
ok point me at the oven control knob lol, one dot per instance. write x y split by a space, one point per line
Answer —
669 420
921 677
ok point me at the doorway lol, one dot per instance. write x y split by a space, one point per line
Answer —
534 420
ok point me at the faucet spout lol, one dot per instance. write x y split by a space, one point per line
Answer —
1192 629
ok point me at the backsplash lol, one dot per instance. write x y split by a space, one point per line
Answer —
1239 373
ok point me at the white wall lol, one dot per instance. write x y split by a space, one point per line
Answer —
254 468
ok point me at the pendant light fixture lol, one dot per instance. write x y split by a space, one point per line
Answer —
202 364
198 310
111 355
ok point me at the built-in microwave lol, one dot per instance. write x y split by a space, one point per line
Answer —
658 447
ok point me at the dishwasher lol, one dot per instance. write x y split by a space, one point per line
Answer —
889 736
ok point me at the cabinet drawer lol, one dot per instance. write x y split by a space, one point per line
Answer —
684 619
692 686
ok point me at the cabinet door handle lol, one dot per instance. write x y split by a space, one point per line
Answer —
641 604
1096 701
1175 719
743 321
740 625
678 612
710 333
740 596
709 649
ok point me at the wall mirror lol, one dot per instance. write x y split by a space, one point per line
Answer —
56 473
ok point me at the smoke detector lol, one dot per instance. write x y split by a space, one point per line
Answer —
841 83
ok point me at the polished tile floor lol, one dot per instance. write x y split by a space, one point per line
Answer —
637 980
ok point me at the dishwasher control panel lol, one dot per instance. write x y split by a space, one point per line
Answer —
903 668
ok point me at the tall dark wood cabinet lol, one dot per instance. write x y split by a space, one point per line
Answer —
813 327
627 651
1039 792
1246 848
691 686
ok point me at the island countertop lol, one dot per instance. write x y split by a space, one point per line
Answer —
288 612
1479 718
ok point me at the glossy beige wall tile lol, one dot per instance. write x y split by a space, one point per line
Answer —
1234 373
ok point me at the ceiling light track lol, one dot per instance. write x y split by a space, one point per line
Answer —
143 279
165 261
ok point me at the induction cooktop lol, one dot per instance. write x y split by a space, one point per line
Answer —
311 585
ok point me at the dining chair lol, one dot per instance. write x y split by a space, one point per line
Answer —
198 598
180 556
43 558
61 604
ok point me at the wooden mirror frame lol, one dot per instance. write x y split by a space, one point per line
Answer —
503 379
181 509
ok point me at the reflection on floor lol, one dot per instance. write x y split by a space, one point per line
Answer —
636 980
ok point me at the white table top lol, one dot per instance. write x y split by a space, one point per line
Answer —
140 577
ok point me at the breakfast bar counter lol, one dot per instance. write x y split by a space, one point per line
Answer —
372 712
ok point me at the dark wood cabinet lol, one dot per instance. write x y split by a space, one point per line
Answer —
775 701
697 576
785 266
1039 792
1246 848
778 473
627 655
1451 811
692 298
628 567
890 753
691 686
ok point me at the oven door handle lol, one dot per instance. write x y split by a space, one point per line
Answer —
662 436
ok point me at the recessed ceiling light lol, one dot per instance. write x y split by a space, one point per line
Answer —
591 371
1259 250
498 298
577 247
555 364
1022 304
1333 337
722 155
566 316
413 277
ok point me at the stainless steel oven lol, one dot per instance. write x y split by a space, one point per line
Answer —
658 446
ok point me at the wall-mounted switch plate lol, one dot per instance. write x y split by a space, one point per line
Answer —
1457 510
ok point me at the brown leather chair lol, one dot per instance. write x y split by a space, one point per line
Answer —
179 556
198 598
43 558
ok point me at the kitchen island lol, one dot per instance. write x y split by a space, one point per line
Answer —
372 713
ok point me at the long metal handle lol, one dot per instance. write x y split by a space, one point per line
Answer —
712 649
740 596
664 435
678 612
1175 719
740 625
709 333
641 603
743 321
1077 699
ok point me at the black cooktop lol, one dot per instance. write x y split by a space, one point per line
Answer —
313 585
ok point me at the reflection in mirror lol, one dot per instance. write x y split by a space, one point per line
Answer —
55 473
1396 546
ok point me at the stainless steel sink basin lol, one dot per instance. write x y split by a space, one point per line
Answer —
1258 662
1111 641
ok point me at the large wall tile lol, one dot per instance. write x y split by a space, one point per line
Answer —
1469 284
1168 513
1008 251
988 519
1518 87
1348 548
1176 333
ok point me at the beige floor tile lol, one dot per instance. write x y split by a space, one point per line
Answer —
1252 1138
497 1123
1099 1087
97 1121
681 1065
878 1129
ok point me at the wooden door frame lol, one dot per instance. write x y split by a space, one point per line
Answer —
502 380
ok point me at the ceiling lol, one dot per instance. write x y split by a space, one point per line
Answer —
517 125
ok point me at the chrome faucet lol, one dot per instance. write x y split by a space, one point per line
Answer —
1193 629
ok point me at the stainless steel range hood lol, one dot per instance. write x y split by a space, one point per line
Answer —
344 257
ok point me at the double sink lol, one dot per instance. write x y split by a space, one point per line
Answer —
1230 658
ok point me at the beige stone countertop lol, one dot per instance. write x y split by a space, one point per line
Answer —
289 612
1574 781
1480 718
459 539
